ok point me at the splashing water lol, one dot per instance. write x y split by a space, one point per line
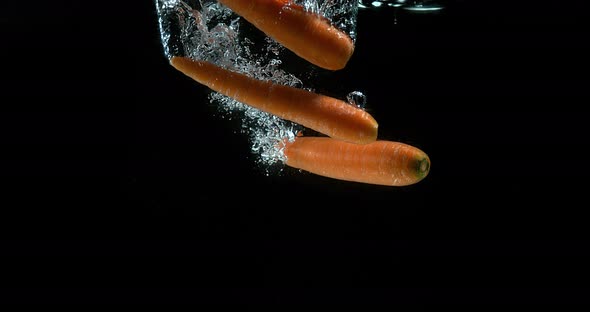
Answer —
417 6
342 13
206 30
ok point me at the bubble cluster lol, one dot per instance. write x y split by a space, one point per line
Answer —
206 30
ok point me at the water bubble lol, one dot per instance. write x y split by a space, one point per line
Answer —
357 99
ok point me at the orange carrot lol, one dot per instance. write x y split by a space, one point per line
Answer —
327 115
307 34
380 162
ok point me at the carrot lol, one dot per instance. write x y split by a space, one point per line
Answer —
324 114
308 35
380 162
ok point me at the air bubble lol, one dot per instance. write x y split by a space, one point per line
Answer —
357 99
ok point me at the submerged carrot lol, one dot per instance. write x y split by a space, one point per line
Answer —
380 162
307 34
327 115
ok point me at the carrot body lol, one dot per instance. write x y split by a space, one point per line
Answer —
307 34
380 162
327 115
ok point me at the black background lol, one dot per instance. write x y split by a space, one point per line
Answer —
122 184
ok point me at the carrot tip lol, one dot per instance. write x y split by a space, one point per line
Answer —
422 167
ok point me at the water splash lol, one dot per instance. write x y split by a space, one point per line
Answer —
367 4
423 6
206 30
415 6
341 13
